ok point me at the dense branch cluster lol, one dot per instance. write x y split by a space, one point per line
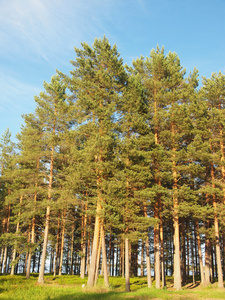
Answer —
119 171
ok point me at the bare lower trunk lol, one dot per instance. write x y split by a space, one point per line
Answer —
33 225
98 259
148 263
6 248
71 250
122 257
149 276
156 248
177 273
1 262
57 248
188 254
14 253
216 226
176 237
14 250
200 253
44 249
62 247
142 258
162 254
83 245
45 243
5 259
95 247
192 261
30 251
104 258
127 265
207 261
218 254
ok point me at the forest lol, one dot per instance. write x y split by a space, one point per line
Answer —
119 171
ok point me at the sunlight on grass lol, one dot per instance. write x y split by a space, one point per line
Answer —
73 287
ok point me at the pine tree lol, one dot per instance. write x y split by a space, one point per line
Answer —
6 158
31 182
98 81
133 167
52 113
213 93
154 72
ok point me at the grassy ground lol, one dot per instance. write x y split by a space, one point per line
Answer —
72 287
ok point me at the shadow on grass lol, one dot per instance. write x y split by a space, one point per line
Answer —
192 286
90 296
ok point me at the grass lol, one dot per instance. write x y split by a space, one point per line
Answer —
73 287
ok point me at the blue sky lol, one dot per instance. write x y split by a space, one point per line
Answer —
38 36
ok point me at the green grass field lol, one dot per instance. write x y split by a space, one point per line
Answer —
72 287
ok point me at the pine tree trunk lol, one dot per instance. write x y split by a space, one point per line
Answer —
196 250
39 261
104 258
148 263
98 258
142 258
156 246
177 272
171 254
6 248
176 237
71 248
83 245
30 252
51 261
162 248
2 256
127 265
200 253
183 249
113 256
192 260
14 250
5 259
188 250
44 249
57 247
67 261
62 245
117 258
207 260
216 225
110 254
95 247
218 254
122 258
33 224
212 263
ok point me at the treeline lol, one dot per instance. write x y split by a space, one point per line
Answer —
119 171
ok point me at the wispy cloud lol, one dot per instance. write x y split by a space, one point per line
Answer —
38 36
43 27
